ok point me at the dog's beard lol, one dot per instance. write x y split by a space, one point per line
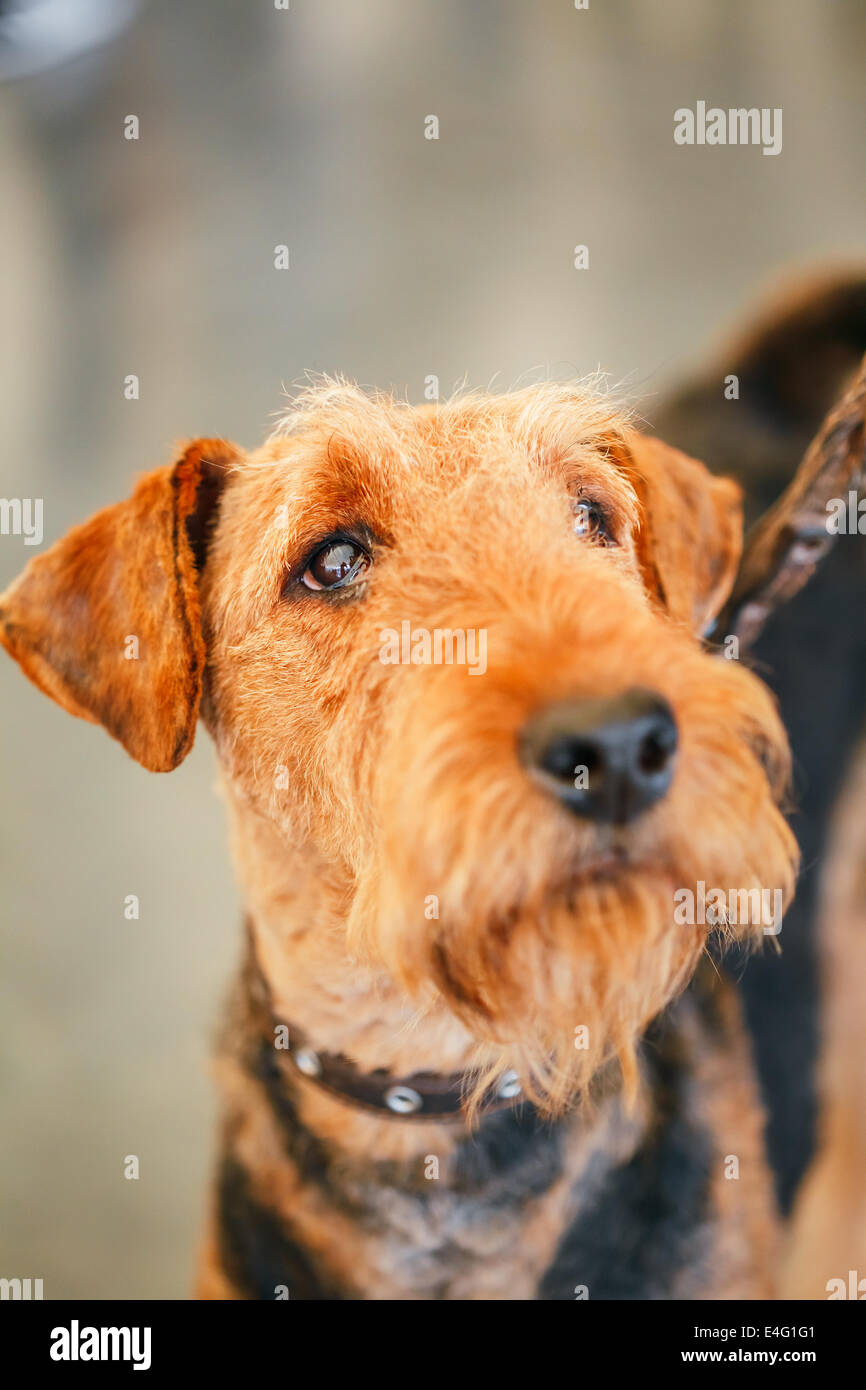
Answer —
558 990
488 900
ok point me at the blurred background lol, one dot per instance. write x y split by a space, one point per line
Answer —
409 257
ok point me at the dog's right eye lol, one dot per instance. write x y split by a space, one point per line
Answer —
336 565
590 522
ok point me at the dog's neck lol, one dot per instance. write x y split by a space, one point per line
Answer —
297 906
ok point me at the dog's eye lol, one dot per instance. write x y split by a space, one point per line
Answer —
589 522
336 565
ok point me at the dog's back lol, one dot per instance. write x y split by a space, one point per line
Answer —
790 368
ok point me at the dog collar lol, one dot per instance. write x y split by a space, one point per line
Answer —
418 1096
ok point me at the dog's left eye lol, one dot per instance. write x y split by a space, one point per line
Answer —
336 565
589 522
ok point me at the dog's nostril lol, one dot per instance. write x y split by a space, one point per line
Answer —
565 759
655 751
605 759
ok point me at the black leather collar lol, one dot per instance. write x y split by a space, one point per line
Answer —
418 1096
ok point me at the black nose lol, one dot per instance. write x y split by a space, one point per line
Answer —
606 759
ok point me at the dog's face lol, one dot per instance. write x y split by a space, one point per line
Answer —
457 652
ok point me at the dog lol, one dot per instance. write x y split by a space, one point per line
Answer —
473 1051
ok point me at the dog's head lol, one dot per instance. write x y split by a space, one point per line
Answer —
457 652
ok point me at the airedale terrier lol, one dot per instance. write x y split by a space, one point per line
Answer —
438 1077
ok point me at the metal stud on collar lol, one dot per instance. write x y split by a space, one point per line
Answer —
509 1086
403 1100
307 1061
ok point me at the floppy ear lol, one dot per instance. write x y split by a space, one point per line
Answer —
692 539
107 622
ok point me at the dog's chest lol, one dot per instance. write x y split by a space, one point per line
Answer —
551 1213
607 1203
447 1247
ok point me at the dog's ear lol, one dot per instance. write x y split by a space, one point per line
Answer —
107 622
692 534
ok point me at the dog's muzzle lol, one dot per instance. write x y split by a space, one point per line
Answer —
607 760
